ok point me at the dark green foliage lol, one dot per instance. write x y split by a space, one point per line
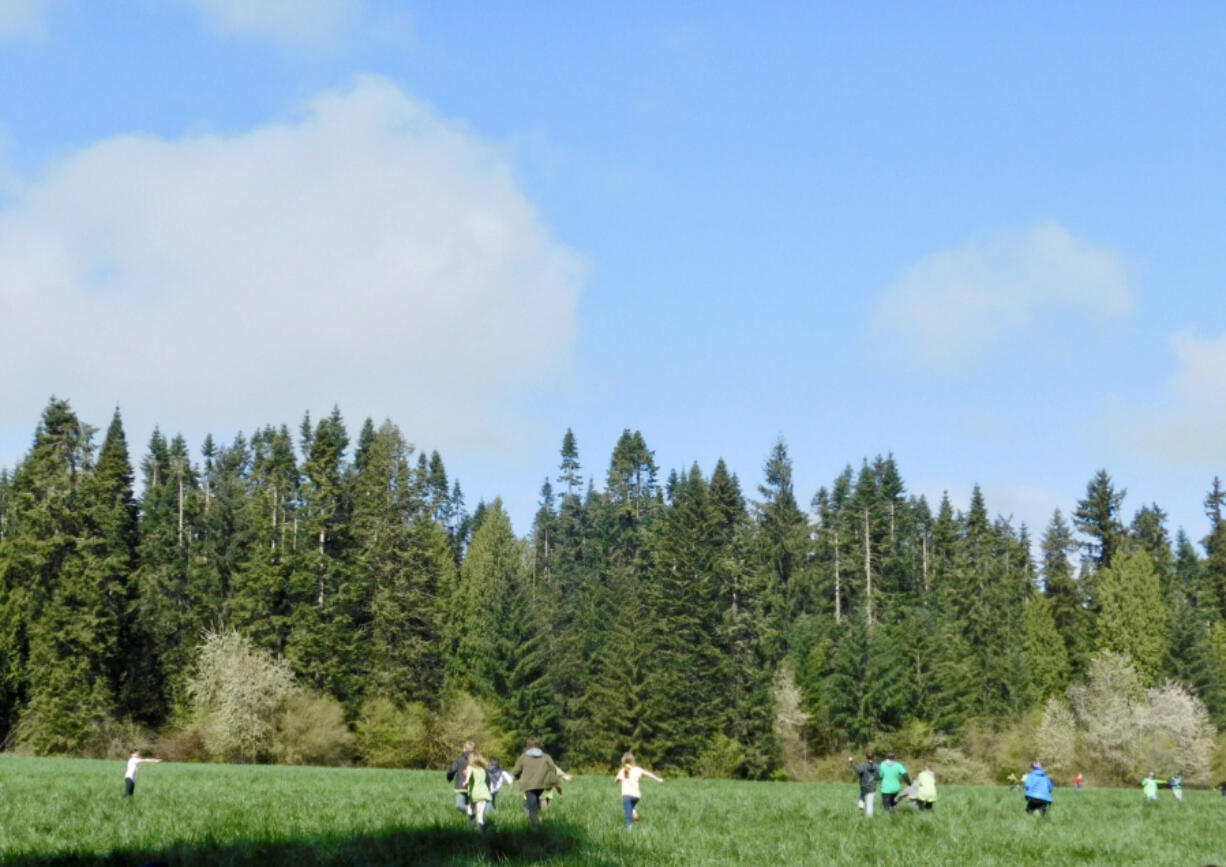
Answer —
664 619
1098 516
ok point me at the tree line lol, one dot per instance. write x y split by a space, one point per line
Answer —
712 630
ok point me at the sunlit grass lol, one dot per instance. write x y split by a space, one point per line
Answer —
56 811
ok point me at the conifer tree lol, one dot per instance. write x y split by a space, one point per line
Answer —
1060 587
114 516
57 591
782 553
687 668
569 471
1132 620
1098 516
1044 648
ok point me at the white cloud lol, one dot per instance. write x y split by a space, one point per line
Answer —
952 305
23 17
292 20
1184 428
368 253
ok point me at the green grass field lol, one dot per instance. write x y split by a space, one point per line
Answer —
68 811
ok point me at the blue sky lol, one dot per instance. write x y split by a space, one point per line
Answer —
986 238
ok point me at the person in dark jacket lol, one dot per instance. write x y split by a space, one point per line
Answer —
535 772
455 775
867 772
1038 790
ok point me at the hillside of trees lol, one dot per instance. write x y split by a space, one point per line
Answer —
711 628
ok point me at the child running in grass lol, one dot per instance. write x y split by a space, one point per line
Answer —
926 788
477 787
1149 785
499 776
628 776
549 794
129 777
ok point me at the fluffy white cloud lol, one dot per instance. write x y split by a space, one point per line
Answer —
1185 426
367 253
22 17
293 20
950 306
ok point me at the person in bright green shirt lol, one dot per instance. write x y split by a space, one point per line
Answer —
926 788
1149 785
477 785
892 775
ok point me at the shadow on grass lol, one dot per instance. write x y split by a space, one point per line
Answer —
436 845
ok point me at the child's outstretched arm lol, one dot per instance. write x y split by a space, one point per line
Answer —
652 776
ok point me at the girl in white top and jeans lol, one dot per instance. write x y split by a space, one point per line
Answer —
628 776
129 777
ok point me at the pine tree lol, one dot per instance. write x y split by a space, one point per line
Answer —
1045 651
569 471
1098 516
113 514
59 619
1132 620
1060 587
782 553
1214 569
686 666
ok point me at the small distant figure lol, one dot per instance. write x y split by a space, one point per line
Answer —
535 772
1038 790
477 787
867 772
129 778
1077 782
926 788
1012 781
627 777
455 774
1175 783
1149 785
1222 788
892 775
499 777
549 794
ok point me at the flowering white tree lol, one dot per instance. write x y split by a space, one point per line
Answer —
1127 731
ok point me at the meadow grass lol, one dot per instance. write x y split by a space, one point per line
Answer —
71 811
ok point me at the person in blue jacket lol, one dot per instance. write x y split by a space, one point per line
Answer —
1038 790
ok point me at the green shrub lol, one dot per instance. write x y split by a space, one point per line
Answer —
389 736
723 758
464 718
312 731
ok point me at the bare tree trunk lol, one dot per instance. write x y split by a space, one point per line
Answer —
838 589
180 511
274 519
924 544
868 570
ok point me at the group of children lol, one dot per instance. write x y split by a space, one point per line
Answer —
892 775
477 783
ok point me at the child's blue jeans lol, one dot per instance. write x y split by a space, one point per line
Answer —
628 803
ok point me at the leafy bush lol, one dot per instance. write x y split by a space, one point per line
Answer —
790 721
1057 738
722 758
238 694
186 745
464 718
389 736
312 731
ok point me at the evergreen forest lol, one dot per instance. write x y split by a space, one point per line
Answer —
711 627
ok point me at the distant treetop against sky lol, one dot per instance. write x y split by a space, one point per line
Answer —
986 238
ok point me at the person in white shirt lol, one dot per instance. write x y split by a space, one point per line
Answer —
628 776
129 777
